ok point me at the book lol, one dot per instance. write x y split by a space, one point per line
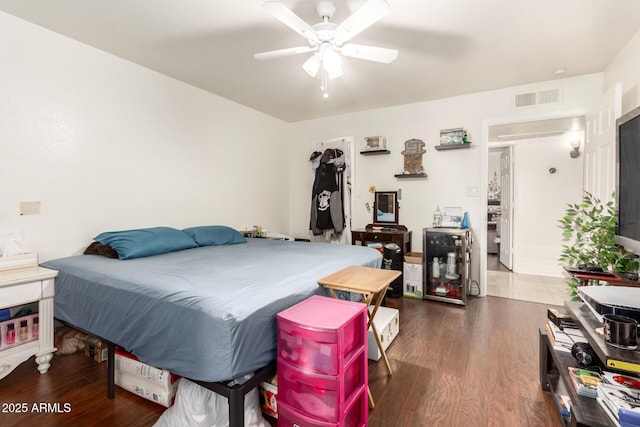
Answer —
556 345
564 403
615 398
621 380
607 410
585 381
566 336
561 319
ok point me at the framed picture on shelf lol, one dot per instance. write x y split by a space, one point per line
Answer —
375 143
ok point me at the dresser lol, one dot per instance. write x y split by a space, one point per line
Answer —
31 334
322 363
397 234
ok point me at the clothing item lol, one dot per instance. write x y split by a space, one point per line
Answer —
326 202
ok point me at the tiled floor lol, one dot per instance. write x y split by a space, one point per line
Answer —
541 289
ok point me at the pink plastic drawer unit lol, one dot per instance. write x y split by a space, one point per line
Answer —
357 414
321 397
321 333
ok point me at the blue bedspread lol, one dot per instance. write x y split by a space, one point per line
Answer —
206 313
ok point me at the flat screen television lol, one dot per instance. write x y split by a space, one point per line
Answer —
628 181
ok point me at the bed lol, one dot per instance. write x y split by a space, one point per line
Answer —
205 313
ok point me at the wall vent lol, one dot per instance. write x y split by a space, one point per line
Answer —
543 97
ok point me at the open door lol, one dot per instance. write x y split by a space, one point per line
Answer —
600 145
506 208
346 145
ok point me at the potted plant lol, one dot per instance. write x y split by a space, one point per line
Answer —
592 226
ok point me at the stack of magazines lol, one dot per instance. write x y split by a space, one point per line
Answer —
619 397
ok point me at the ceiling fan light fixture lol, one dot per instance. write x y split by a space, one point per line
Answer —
312 65
331 60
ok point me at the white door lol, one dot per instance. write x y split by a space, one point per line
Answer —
600 145
506 208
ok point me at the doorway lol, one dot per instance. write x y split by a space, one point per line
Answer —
544 178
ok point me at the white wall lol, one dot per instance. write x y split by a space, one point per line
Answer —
625 69
106 144
450 172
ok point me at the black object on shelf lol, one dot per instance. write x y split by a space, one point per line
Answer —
410 175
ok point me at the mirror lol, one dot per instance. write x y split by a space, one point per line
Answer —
385 207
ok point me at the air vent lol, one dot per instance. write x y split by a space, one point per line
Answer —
543 97
525 99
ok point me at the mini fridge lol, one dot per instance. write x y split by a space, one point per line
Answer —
446 264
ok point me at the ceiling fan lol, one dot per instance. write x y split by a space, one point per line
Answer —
328 40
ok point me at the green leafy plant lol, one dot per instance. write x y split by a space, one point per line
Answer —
592 226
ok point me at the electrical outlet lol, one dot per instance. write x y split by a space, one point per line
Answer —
472 191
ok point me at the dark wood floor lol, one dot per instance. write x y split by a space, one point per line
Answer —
453 366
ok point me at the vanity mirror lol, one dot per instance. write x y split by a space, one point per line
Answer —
385 207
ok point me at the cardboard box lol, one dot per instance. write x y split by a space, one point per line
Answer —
154 384
97 350
269 397
412 275
387 322
150 391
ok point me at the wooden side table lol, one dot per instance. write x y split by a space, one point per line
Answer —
21 287
399 235
371 284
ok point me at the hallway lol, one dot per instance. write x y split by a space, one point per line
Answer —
541 289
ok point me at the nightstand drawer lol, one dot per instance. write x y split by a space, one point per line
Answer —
20 294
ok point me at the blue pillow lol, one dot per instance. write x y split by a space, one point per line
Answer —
146 241
213 235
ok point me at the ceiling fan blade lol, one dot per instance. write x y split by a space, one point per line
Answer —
370 53
290 19
370 12
272 54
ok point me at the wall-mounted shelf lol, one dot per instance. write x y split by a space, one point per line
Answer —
451 146
411 175
373 152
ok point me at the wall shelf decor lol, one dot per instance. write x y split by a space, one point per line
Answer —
451 146
453 138
374 152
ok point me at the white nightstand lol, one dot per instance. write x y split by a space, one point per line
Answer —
20 287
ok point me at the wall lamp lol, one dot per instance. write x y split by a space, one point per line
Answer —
575 144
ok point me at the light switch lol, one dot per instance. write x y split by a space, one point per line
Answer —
472 191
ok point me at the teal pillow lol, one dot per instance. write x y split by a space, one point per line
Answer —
146 241
213 235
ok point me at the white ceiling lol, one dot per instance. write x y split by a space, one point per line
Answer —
446 47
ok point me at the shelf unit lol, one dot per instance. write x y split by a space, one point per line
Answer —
554 373
322 363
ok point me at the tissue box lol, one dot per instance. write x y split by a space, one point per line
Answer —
18 261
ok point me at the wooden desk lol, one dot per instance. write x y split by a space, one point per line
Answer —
613 278
401 237
372 284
